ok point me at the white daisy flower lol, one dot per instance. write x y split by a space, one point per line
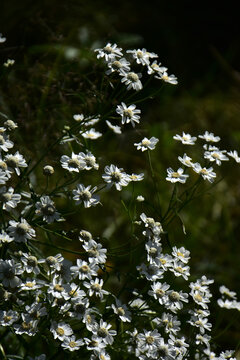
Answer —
159 292
156 69
128 113
181 254
21 231
8 271
175 299
7 318
214 154
122 311
234 155
186 160
8 198
31 263
95 288
146 144
5 238
103 332
207 174
89 160
142 56
85 195
14 162
78 117
171 79
109 52
117 65
136 177
115 128
176 176
84 270
60 330
209 137
186 139
115 176
47 210
74 163
91 134
132 80
71 344
5 143
95 251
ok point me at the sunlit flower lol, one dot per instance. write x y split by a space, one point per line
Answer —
146 144
171 79
21 231
142 56
128 113
207 174
209 137
132 80
74 163
85 195
234 155
91 134
117 65
115 176
186 139
109 52
176 176
47 210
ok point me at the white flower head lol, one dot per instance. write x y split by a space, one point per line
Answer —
74 163
132 80
91 134
46 208
21 231
128 113
146 144
207 174
215 155
14 162
115 176
171 79
142 56
85 195
176 176
186 139
186 160
109 52
8 198
209 137
117 65
234 155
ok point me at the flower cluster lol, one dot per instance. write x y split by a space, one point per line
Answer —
75 305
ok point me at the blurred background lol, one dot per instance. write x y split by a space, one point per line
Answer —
56 75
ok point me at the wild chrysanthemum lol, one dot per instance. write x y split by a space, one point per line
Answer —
21 231
132 80
115 176
74 163
142 56
85 195
146 144
186 139
46 208
109 52
128 113
176 176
